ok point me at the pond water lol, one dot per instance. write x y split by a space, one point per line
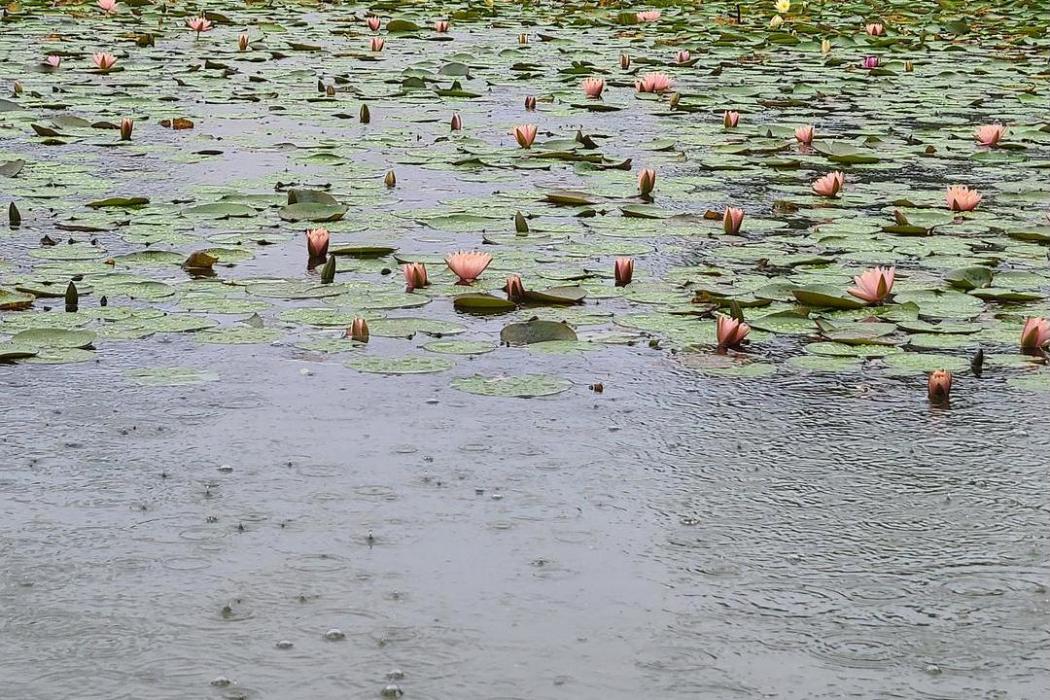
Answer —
209 492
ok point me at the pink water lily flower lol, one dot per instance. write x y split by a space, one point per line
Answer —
682 57
730 119
415 276
593 87
467 265
653 82
515 289
108 6
829 185
875 29
378 43
939 386
730 332
962 198
53 61
525 134
317 243
989 134
647 16
873 285
804 134
732 218
373 23
104 61
646 181
870 62
441 26
1036 333
199 24
623 271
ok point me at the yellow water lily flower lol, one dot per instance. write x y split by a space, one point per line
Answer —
783 6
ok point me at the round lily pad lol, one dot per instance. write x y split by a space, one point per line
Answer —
409 364
171 376
522 386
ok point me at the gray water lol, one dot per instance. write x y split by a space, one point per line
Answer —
670 537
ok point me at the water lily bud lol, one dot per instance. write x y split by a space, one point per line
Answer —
457 122
825 47
390 180
329 91
14 217
72 298
521 226
625 61
358 330
365 116
530 103
776 22
242 42
673 101
328 271
908 67
939 387
126 126
523 39
16 89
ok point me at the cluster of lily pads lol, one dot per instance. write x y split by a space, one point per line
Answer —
776 187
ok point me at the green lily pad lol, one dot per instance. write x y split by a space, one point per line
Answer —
54 338
409 364
525 386
170 376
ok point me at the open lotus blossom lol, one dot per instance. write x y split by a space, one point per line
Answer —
242 42
732 218
457 122
53 61
962 198
653 82
646 181
870 62
317 243
441 26
593 87
647 16
530 103
126 126
873 285
730 332
829 185
682 57
939 386
378 43
875 29
990 134
623 271
415 276
104 61
108 6
358 330
525 134
730 119
782 6
804 134
199 24
373 23
625 61
1036 334
515 289
467 265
